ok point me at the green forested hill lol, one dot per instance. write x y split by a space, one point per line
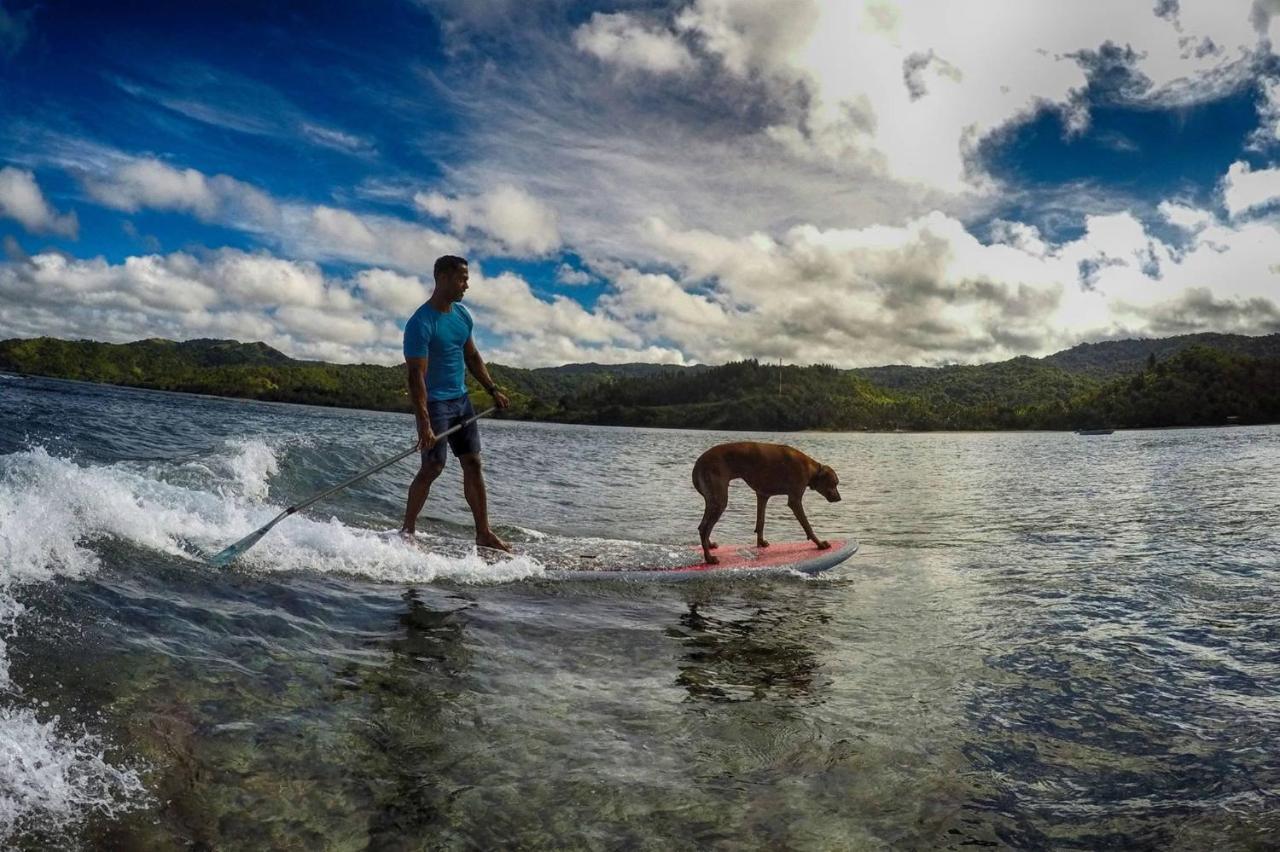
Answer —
1198 386
1195 384
1124 357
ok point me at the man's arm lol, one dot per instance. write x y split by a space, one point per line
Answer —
418 396
475 364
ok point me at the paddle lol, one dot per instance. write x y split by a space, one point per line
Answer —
227 556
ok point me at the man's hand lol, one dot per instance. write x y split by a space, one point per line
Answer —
426 436
500 398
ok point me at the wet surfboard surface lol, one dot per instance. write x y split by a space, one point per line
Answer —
735 559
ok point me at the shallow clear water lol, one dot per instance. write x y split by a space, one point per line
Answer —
1046 641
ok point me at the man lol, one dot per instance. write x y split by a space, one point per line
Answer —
439 349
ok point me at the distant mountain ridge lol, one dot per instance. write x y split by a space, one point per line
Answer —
1186 380
1119 357
1105 359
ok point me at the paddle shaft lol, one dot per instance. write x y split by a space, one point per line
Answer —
252 538
359 476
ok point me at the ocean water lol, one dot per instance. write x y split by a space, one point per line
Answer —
1046 641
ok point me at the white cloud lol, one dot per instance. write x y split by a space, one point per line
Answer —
327 137
1245 189
1268 131
343 228
398 295
148 183
567 274
751 36
929 292
227 100
622 40
1187 218
230 293
305 231
21 199
292 306
324 233
512 309
517 221
153 184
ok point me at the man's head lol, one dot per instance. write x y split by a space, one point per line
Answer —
451 276
825 482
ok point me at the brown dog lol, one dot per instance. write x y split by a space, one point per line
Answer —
770 470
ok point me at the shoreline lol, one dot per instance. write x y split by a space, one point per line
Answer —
507 419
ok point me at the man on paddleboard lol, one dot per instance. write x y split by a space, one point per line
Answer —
439 350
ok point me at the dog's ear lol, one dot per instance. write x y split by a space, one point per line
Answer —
825 475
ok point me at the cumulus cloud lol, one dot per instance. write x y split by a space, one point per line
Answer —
1245 189
153 184
21 199
929 292
1188 218
228 293
398 295
1197 309
622 40
293 306
567 274
516 221
325 233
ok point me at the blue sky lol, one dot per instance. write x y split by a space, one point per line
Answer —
852 182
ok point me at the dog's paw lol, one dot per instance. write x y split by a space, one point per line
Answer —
712 560
761 543
823 545
712 545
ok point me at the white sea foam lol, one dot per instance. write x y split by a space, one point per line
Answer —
55 511
251 465
51 779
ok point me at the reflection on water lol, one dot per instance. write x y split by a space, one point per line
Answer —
759 656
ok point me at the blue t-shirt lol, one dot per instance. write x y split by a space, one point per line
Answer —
440 339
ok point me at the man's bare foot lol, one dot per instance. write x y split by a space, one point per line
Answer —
492 541
407 534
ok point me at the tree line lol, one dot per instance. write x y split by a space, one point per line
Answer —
1196 385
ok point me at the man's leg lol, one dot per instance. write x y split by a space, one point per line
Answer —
418 491
473 488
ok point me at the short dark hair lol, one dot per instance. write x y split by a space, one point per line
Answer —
448 263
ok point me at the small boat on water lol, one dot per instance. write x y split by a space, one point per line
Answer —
1094 431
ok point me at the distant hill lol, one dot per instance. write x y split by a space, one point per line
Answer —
1104 360
1187 380
1113 358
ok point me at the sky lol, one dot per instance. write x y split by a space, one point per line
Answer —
849 182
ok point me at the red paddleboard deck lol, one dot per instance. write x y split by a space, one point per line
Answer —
735 559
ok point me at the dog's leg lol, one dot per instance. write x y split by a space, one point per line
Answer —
716 503
797 506
762 500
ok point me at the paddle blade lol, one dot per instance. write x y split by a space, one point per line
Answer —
226 557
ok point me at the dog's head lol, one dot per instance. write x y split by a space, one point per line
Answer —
824 481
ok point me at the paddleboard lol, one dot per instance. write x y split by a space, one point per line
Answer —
735 559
